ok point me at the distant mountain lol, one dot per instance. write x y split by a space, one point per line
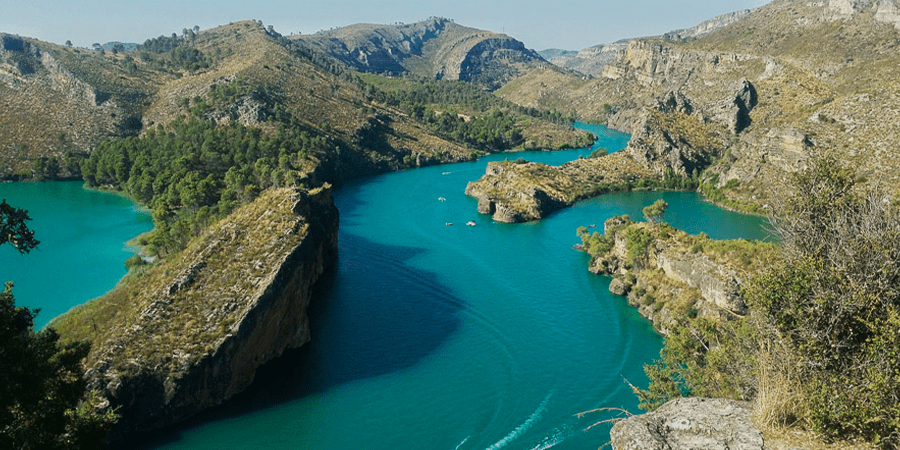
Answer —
750 101
592 60
551 53
434 48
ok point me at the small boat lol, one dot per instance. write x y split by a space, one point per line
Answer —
471 223
446 173
442 199
592 226
449 224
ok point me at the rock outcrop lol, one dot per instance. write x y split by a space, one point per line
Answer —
521 191
690 424
434 48
677 272
191 333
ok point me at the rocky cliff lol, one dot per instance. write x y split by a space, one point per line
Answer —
593 60
434 48
191 332
821 72
664 272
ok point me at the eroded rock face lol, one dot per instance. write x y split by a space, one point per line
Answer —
718 284
690 424
199 339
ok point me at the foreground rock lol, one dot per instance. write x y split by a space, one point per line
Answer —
690 424
191 332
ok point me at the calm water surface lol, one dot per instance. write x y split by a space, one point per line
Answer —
428 336
82 251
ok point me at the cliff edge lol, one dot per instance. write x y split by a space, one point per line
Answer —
190 333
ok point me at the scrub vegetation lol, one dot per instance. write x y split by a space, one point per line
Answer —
818 347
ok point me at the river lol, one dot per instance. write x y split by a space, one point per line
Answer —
435 336
429 336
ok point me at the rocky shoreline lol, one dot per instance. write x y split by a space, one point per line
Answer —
185 337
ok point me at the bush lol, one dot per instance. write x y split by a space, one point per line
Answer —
834 301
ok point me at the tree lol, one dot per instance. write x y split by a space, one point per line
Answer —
832 302
654 212
13 229
42 404
68 43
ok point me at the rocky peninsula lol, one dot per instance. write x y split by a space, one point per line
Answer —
190 333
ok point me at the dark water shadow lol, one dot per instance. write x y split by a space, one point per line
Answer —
372 314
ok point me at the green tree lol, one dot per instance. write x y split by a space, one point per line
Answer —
654 212
14 230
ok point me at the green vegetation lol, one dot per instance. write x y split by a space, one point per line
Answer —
174 52
414 94
654 212
42 403
14 229
594 244
494 131
819 346
194 172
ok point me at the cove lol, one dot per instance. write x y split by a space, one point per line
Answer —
429 336
82 251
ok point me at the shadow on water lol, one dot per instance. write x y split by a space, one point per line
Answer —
372 314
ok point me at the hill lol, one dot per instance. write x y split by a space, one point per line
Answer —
80 98
751 101
592 60
436 48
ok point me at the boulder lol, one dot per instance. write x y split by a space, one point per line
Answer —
690 424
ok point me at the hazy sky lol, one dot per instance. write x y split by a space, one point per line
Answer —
571 25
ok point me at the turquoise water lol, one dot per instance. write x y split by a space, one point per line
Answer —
82 252
428 336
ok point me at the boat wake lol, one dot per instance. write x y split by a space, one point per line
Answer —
521 429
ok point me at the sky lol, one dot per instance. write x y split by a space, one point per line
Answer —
570 25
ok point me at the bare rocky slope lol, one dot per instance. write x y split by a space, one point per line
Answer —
750 102
434 48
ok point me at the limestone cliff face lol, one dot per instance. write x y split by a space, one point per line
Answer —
194 331
598 59
678 272
718 284
433 48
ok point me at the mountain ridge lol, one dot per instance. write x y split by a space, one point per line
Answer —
434 48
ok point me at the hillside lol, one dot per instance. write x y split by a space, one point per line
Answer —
821 77
80 98
592 60
434 48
